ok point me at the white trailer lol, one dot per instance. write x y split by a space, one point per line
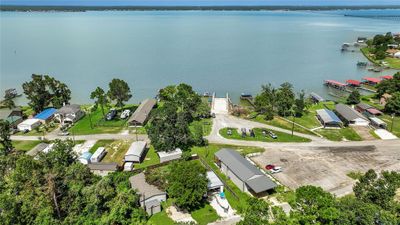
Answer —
168 156
98 155
29 124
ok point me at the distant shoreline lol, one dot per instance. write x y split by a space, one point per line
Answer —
27 8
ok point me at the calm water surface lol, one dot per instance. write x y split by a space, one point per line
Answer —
217 51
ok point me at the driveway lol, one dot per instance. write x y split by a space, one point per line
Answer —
328 167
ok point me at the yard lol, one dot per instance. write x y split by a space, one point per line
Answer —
100 143
346 133
282 137
116 151
205 215
96 124
24 145
150 159
206 123
207 153
279 122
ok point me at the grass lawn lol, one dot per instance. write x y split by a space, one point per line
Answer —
282 137
393 62
35 132
24 145
116 151
83 126
279 122
207 153
206 123
160 218
396 124
150 159
339 134
205 215
100 143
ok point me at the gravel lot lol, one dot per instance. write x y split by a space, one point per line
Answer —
327 166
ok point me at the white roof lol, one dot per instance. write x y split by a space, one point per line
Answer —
175 152
137 148
98 152
30 121
384 134
213 180
376 120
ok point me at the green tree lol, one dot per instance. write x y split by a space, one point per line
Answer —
265 102
256 212
198 135
285 99
169 129
101 99
119 91
44 90
188 190
354 97
300 104
184 98
393 104
5 138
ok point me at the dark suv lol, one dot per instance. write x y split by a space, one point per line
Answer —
111 114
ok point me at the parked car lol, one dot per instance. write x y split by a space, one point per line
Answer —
229 132
272 135
111 114
273 169
64 133
125 114
213 115
252 134
244 134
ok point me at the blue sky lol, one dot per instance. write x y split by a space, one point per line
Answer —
199 2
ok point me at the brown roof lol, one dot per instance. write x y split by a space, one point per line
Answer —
142 112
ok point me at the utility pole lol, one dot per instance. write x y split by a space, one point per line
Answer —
391 128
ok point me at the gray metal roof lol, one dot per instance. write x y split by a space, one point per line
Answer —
260 184
213 180
139 183
328 116
317 97
38 148
243 169
136 149
103 166
69 109
142 112
348 113
363 106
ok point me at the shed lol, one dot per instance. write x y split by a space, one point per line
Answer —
378 123
328 118
28 124
214 183
150 197
168 156
46 115
98 155
141 114
102 169
135 152
316 98
128 166
350 116
244 174
85 158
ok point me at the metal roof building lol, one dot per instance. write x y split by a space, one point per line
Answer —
139 117
103 169
244 174
328 118
46 114
316 98
213 181
135 152
350 115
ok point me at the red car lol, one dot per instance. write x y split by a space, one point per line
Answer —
269 167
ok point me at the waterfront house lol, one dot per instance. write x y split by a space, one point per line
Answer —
315 98
69 114
46 115
350 116
135 152
150 197
328 118
29 124
371 80
141 114
242 173
13 116
103 169
171 155
367 110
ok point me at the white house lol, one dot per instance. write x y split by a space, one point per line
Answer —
29 124
69 114
135 152
397 55
168 156
98 155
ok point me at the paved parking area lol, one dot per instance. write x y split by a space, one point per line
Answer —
328 167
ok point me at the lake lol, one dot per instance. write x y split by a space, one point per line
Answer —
214 51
